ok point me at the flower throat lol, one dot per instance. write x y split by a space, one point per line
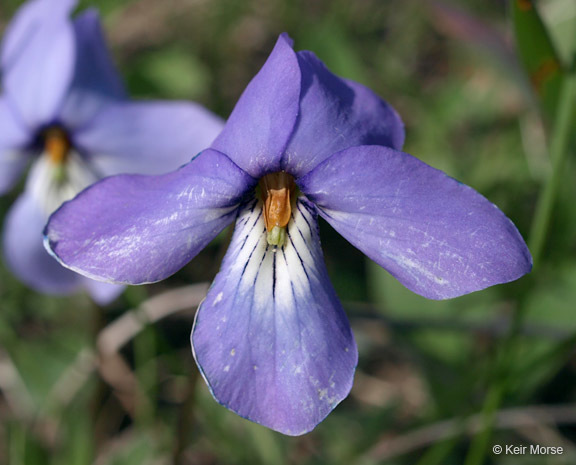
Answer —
278 191
57 145
57 148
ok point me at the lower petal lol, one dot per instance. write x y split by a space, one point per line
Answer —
438 237
25 254
271 338
32 264
51 184
101 293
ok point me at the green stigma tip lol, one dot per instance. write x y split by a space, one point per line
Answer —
277 236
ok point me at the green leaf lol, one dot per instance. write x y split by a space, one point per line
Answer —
538 55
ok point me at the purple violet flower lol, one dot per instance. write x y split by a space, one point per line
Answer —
271 337
65 110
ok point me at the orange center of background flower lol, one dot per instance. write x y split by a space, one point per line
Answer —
57 145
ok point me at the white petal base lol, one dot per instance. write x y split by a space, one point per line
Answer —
271 338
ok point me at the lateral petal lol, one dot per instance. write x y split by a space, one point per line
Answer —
13 139
438 237
271 338
136 229
147 137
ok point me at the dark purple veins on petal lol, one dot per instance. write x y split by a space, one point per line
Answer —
271 338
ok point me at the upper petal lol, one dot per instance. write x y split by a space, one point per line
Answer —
438 237
137 229
147 137
13 139
336 114
260 125
30 15
38 59
96 81
271 338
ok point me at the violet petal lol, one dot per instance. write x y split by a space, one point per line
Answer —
438 237
13 138
136 229
96 81
25 254
336 114
101 293
271 338
147 137
38 59
260 125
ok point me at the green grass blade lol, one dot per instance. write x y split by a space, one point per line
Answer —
538 55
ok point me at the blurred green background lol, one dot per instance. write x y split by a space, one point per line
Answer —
81 385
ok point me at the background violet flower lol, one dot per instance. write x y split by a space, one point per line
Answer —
65 109
271 337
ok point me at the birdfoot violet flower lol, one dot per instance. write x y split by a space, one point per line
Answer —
65 110
271 337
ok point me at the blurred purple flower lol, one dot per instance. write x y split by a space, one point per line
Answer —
65 110
271 337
